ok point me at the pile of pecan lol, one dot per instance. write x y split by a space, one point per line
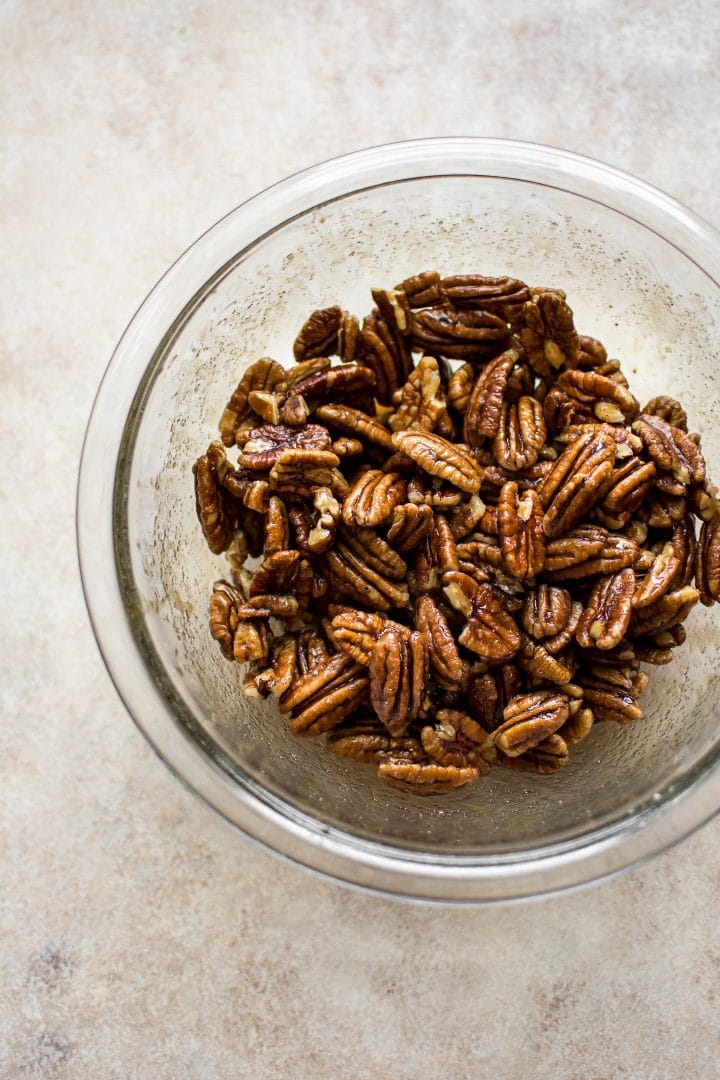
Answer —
454 543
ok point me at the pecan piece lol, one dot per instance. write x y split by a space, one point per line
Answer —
539 663
503 296
490 631
460 387
374 552
370 744
276 574
350 380
605 620
322 533
520 529
548 756
672 449
327 332
610 401
387 353
425 490
470 515
251 641
707 561
325 695
420 779
545 611
355 633
214 508
668 611
521 434
484 408
587 551
276 679
530 718
549 337
442 650
630 486
578 479
264 375
398 669
442 546
354 422
421 290
440 458
420 402
301 472
372 498
277 527
664 569
460 334
264 445
669 410
457 739
410 524
224 604
608 702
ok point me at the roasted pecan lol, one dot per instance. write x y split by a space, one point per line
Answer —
521 434
302 472
587 551
420 402
540 664
605 620
369 743
216 509
591 352
459 334
672 449
426 490
349 381
442 650
325 695
630 485
465 518
669 410
440 458
707 565
578 479
312 651
457 739
490 631
356 423
668 611
548 756
504 296
351 577
546 611
664 569
520 529
294 411
460 387
484 408
548 336
530 718
374 552
608 702
322 533
409 526
420 779
421 290
277 527
372 498
443 548
224 604
276 679
265 375
267 605
485 552
610 402
264 445
355 633
387 353
251 641
398 669
276 574
327 332
346 447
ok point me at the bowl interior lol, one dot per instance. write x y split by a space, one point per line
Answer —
652 307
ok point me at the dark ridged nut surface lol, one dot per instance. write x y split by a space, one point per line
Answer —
264 445
484 407
336 384
545 611
372 498
669 410
605 620
530 718
440 458
490 631
668 611
520 531
547 757
456 739
301 472
521 434
356 423
224 604
398 669
370 744
425 779
458 334
503 296
355 633
609 401
409 525
443 653
214 507
672 449
264 375
588 551
578 479
707 571
327 332
548 336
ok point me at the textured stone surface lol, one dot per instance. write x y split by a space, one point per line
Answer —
139 936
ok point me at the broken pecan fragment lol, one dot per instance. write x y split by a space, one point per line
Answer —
398 668
528 719
440 458
264 445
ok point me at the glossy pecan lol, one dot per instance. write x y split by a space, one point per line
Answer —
591 352
356 423
251 641
548 336
372 498
484 407
312 651
421 779
707 565
460 387
490 631
224 621
327 332
325 695
426 490
668 611
547 757
456 739
301 472
398 669
630 485
374 552
422 289
521 434
539 663
669 410
671 449
520 530
528 719
578 479
355 633
352 577
440 458
276 679
587 551
546 611
470 515
215 508
459 334
277 573
503 296
322 534
369 743
442 546
409 526
387 352
420 402
605 620
442 651
609 401
351 381
277 527
665 567
264 445
266 375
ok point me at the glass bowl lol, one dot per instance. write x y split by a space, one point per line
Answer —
641 273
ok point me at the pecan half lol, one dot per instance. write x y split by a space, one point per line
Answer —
276 679
587 551
669 410
370 744
251 641
459 334
503 296
460 387
327 694
490 631
355 633
409 526
338 383
530 718
549 337
328 331
398 668
351 577
610 401
457 739
301 472
224 621
440 458
520 530
484 408
548 756
578 479
264 445
668 611
671 449
707 566
420 779
521 434
605 620
442 650
372 498
263 375
387 353
545 611
420 402
664 569
356 423
214 507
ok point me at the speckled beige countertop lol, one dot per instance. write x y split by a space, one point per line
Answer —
139 936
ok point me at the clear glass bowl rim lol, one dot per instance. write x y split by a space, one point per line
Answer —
370 866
